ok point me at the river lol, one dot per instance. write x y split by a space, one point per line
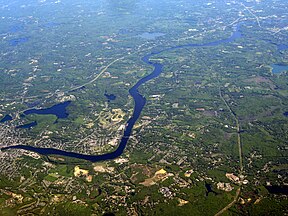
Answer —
139 103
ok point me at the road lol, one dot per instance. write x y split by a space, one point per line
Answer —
239 152
230 204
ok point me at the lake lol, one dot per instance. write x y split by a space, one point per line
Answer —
58 110
27 126
151 36
6 118
277 68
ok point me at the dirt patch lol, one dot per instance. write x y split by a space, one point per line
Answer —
260 79
227 136
209 113
103 169
145 170
182 202
160 175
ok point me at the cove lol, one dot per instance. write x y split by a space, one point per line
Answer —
139 103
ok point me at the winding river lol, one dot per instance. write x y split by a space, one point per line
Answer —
139 103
